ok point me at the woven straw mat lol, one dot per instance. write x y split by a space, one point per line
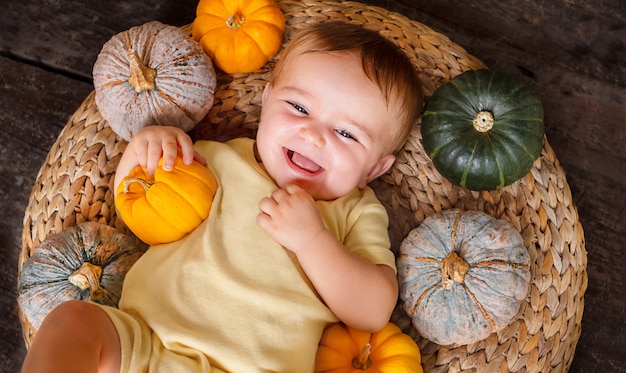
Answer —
75 182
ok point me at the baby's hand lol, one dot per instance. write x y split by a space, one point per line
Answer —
153 142
291 217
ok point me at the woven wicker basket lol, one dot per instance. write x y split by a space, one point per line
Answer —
74 185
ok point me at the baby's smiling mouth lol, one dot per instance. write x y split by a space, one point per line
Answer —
303 162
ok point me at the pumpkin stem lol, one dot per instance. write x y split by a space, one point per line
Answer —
144 183
363 361
235 21
142 78
453 269
483 121
88 277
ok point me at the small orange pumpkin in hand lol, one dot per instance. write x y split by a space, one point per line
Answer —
343 349
165 207
239 36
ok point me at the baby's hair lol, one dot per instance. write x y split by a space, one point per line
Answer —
384 63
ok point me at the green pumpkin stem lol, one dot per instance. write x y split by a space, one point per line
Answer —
483 121
88 277
363 361
144 183
235 21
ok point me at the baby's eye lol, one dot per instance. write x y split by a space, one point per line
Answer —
345 134
298 108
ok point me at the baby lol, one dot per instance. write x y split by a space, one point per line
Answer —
295 239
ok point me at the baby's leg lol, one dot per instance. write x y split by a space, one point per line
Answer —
75 337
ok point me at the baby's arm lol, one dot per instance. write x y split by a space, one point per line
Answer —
150 144
361 294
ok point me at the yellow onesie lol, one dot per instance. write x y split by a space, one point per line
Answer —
227 297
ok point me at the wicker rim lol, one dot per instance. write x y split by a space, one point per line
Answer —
74 185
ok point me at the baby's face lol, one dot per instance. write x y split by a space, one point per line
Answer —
325 126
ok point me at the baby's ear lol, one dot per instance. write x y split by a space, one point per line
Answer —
382 166
266 92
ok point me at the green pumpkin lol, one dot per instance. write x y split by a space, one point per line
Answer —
483 130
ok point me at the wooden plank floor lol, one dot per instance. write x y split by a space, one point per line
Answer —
571 53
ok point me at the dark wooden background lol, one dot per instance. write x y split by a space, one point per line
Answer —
572 53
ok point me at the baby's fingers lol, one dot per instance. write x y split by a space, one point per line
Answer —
168 151
264 219
184 145
267 205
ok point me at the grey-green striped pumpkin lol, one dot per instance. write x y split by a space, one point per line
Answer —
85 262
483 130
462 275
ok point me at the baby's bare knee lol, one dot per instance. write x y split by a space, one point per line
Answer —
73 313
75 336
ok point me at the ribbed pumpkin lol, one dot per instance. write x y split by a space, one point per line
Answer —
240 36
153 74
483 130
166 206
462 276
343 349
85 262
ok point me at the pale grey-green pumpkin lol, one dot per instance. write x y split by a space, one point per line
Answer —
462 276
85 262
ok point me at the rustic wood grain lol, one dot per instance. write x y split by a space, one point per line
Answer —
571 53
577 35
34 106
67 36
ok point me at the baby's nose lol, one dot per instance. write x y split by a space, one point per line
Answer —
312 135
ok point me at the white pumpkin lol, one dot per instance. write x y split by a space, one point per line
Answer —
153 74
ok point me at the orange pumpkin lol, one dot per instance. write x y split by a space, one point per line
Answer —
239 36
167 206
343 349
